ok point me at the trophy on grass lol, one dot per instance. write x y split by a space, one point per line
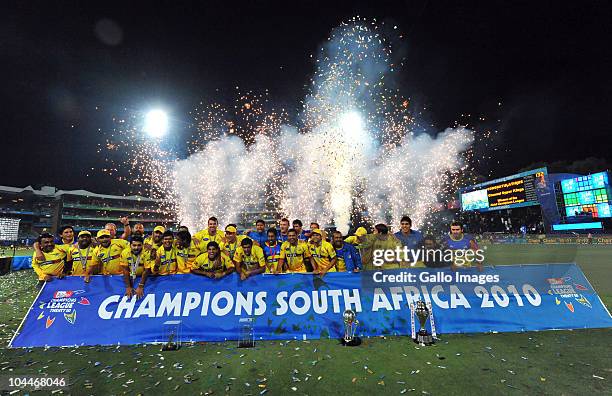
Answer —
422 311
247 335
172 335
350 327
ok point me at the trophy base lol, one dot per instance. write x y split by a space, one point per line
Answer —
170 347
246 344
424 339
356 341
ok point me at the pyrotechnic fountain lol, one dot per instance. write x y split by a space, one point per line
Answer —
356 134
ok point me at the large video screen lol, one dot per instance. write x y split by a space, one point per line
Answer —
587 195
9 229
509 192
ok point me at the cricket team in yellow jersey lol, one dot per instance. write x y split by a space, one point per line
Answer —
214 253
210 252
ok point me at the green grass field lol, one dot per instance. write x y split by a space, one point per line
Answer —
8 252
552 362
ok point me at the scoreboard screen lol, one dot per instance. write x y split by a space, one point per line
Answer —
587 195
9 229
509 192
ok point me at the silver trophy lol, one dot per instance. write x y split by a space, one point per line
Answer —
350 327
172 335
247 335
423 313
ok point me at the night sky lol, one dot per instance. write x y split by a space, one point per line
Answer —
548 63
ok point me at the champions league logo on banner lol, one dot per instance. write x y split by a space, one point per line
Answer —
563 289
63 304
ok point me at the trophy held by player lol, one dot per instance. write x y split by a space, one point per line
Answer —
350 327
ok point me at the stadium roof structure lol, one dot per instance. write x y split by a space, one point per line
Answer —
53 192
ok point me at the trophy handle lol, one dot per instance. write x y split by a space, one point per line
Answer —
431 320
412 324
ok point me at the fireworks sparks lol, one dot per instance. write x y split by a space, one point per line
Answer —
359 151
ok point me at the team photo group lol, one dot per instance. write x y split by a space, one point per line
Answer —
214 253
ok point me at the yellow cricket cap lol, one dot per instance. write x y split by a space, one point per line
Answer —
103 233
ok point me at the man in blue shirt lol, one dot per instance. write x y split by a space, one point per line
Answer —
457 240
259 235
348 258
284 229
298 227
413 239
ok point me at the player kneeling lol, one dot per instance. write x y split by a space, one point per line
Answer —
133 265
213 264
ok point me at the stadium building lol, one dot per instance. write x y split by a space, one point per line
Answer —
48 208
538 202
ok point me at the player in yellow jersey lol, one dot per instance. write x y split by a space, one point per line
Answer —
322 252
213 264
152 243
133 265
107 256
232 240
165 260
64 243
358 238
249 259
82 254
54 260
294 254
186 251
211 234
315 226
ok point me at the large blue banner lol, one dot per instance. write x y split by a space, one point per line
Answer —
302 306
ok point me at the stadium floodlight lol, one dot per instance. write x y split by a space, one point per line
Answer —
351 122
156 123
